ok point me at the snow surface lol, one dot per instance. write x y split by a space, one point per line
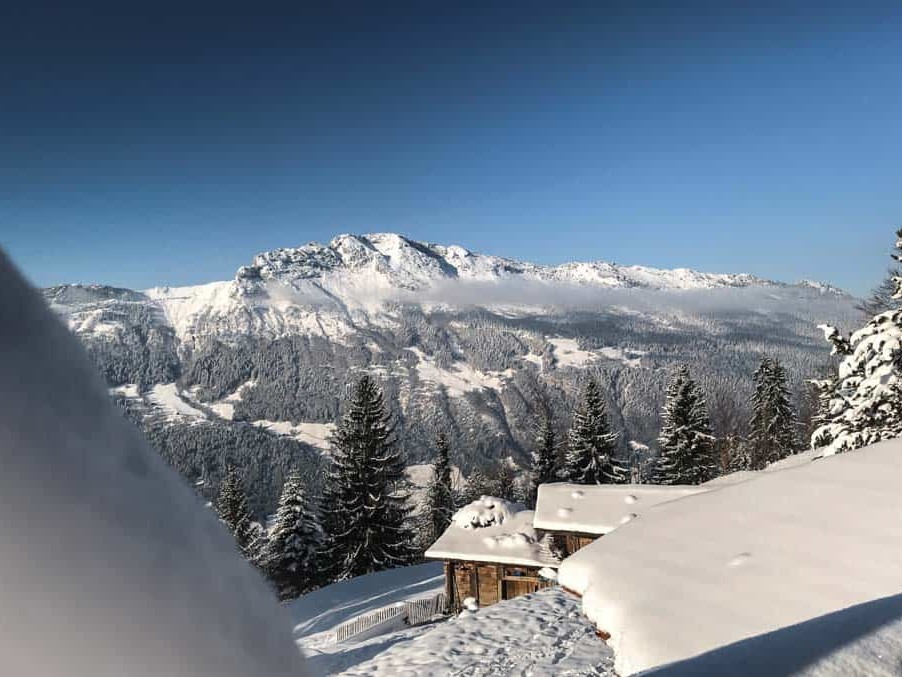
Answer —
491 529
315 434
460 378
110 564
567 353
599 508
167 397
630 358
225 408
533 635
316 615
541 634
126 390
733 569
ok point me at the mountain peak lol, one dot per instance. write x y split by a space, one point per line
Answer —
392 260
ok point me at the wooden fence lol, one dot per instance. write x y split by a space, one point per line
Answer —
387 619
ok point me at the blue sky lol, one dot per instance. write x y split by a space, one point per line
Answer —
169 144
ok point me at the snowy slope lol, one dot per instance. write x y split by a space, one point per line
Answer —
537 635
542 634
786 547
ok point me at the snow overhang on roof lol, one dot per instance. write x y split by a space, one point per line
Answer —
496 531
599 508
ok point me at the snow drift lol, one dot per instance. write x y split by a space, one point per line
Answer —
110 565
740 565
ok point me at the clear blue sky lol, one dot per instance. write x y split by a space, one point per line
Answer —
169 143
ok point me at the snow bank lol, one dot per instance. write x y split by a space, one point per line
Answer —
493 530
601 508
110 564
787 547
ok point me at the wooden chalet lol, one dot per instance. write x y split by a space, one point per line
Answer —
575 515
492 552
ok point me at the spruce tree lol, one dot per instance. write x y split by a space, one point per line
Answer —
366 516
544 457
772 429
439 493
479 483
686 444
232 508
591 446
291 556
862 404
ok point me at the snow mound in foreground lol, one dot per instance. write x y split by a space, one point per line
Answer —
110 565
486 511
770 561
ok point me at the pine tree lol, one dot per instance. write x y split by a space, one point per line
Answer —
772 427
686 444
479 483
291 556
439 493
591 446
862 404
365 498
232 507
544 457
740 457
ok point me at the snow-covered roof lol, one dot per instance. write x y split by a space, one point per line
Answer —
493 530
751 560
599 508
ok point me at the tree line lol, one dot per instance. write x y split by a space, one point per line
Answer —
363 521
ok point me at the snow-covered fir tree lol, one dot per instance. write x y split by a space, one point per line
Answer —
256 548
366 516
480 482
591 456
291 557
439 493
232 508
544 457
686 444
772 428
863 403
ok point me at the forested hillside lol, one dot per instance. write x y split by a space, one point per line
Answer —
254 371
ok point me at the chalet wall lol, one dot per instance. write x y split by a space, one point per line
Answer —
489 583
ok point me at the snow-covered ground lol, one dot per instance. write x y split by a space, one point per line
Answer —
317 614
533 635
792 569
315 434
567 353
541 634
460 378
167 397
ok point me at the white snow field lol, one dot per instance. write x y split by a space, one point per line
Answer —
110 564
541 634
794 570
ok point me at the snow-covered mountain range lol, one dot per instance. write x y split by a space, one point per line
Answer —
470 343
